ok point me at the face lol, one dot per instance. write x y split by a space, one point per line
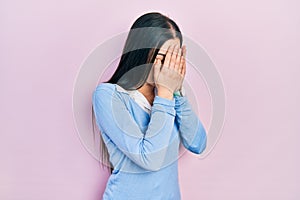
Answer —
161 55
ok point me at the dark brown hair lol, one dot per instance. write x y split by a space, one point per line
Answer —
133 56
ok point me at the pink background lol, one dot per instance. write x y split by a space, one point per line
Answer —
254 44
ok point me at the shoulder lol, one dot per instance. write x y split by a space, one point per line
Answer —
103 92
105 89
106 94
110 88
105 86
109 91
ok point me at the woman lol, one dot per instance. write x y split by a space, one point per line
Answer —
143 116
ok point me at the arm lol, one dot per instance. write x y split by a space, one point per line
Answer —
148 150
192 132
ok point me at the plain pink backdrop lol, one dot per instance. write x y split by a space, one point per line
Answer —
254 44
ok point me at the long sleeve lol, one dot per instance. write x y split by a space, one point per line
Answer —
192 132
147 149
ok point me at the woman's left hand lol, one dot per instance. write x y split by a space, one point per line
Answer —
182 67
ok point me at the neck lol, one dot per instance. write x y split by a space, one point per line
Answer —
148 91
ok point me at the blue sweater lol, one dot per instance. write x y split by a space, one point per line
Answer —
143 147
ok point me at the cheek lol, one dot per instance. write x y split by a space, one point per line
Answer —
150 78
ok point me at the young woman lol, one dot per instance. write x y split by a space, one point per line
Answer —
143 116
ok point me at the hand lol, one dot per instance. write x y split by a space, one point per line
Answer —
170 75
182 66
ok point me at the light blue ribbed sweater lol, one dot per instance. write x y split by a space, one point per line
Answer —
144 148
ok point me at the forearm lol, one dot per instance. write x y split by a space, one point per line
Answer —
191 129
148 148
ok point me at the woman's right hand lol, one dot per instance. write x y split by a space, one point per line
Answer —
168 78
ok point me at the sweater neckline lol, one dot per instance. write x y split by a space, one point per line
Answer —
138 97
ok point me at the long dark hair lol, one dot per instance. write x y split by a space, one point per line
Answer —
146 36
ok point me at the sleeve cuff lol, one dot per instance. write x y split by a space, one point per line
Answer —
180 100
164 105
164 101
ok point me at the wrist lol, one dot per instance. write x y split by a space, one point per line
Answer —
164 92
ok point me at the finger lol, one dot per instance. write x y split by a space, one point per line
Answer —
184 67
173 57
160 56
183 71
156 68
181 64
184 51
178 61
168 56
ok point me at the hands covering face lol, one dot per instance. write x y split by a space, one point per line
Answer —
169 71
